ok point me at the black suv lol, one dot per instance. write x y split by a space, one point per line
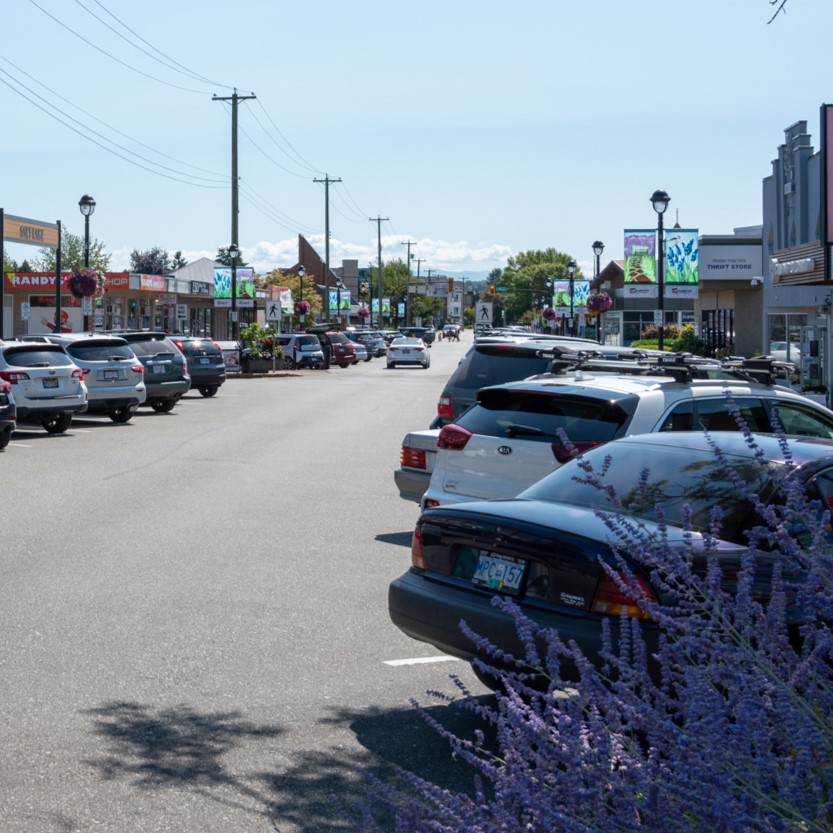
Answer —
427 334
206 365
166 369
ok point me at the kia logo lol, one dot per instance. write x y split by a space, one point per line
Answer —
504 449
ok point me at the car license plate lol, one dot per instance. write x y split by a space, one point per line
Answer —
50 383
159 368
499 572
110 374
205 360
406 349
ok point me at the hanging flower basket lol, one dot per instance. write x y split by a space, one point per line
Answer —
85 283
549 313
600 302
363 312
302 307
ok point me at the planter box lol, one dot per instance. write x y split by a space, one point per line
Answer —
261 365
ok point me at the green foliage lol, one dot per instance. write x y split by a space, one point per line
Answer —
259 341
688 342
179 261
224 257
153 261
72 255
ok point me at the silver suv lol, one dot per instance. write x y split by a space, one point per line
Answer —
48 387
114 377
300 350
511 437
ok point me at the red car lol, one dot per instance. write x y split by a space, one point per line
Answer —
341 349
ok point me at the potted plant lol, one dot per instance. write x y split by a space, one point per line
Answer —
599 302
363 311
85 283
301 309
259 352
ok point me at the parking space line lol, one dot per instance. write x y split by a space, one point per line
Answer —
420 660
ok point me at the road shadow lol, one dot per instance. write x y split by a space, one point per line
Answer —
315 791
400 539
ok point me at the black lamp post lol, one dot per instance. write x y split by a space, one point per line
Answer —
571 271
87 206
301 273
598 248
660 200
234 253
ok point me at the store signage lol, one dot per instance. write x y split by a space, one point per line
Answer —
32 232
200 288
779 268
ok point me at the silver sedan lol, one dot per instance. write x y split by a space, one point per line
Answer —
408 351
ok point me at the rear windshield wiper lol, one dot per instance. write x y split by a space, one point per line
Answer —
524 430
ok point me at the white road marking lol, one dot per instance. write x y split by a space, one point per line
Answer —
420 660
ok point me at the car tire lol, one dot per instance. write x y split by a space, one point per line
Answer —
208 391
5 437
343 364
163 406
122 414
391 365
57 423
368 358
289 363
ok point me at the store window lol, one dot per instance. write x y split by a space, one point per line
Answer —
784 335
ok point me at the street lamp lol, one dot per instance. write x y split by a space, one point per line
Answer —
234 253
571 271
87 206
660 200
598 248
301 273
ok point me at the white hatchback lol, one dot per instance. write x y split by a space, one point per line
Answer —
48 386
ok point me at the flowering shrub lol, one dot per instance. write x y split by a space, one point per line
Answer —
599 302
85 283
734 734
363 311
549 313
302 307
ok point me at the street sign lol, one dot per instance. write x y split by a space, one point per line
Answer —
501 289
182 311
273 311
25 310
484 312
658 317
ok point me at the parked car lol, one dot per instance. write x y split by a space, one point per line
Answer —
166 369
364 343
376 345
408 351
543 548
300 350
341 349
48 387
785 352
8 413
361 352
206 365
114 376
494 448
427 334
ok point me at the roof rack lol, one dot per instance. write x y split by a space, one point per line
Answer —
682 367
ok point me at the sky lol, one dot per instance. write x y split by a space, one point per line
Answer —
476 129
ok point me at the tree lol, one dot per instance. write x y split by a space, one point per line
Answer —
72 255
179 261
153 261
292 281
225 258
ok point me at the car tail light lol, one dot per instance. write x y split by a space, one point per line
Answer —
138 368
5 387
412 457
430 503
453 437
417 553
14 376
564 454
78 373
419 349
179 346
444 408
611 601
84 371
392 348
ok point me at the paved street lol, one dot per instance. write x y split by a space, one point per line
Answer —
193 621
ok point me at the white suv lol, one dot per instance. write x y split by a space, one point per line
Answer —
510 438
114 377
48 386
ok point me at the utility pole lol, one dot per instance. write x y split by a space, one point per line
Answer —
378 221
234 99
327 181
408 243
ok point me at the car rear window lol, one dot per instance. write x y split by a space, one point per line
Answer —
42 355
307 343
677 479
496 365
100 352
153 346
202 347
338 338
535 416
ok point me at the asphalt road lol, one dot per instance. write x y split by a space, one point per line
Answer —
193 610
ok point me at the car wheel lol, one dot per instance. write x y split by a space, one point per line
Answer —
391 365
4 438
123 414
368 358
163 406
343 364
57 424
289 363
208 391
